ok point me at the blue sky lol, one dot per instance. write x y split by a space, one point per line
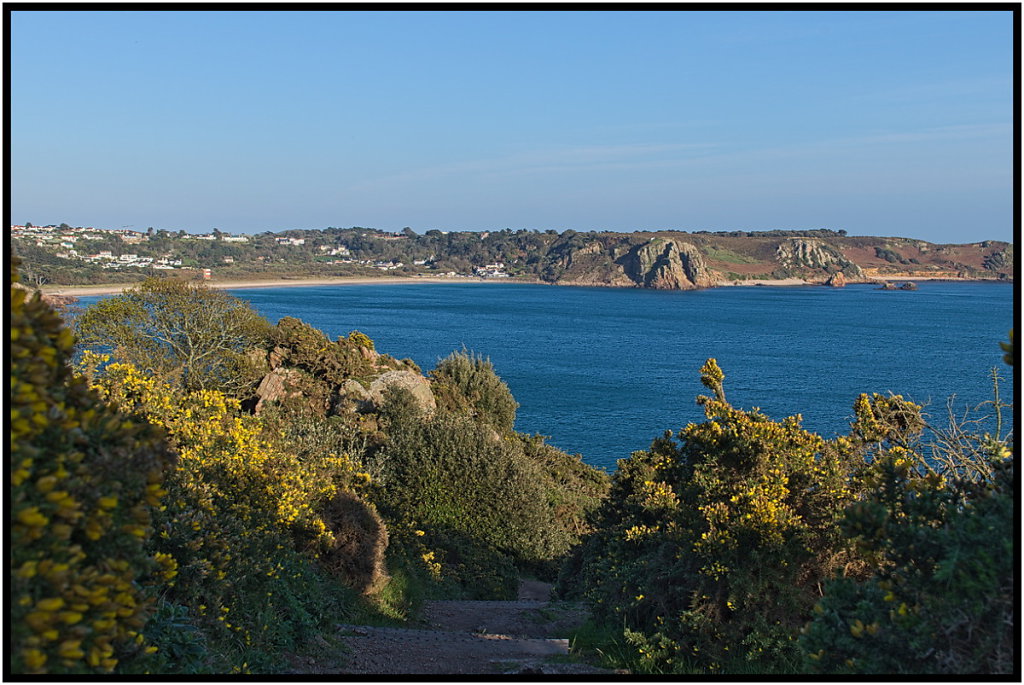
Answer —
881 123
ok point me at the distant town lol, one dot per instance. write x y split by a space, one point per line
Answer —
126 250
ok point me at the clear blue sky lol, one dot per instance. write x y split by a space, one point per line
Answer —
882 123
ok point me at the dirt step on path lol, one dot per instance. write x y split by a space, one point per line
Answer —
529 635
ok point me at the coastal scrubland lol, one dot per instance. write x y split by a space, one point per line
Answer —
194 490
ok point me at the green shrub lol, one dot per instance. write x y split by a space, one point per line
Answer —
304 347
83 480
467 384
937 524
709 549
942 598
450 472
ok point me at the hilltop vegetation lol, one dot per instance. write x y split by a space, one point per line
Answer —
662 259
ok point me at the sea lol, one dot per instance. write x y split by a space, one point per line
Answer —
603 371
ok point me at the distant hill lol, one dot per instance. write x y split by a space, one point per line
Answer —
662 259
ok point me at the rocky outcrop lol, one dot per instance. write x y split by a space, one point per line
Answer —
813 254
416 384
277 385
909 285
351 397
837 280
664 264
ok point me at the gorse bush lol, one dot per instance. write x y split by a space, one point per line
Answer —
937 524
84 479
306 348
752 546
709 549
243 520
942 597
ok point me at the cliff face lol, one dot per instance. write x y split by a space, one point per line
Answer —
664 264
814 254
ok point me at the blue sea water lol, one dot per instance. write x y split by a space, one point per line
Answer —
603 371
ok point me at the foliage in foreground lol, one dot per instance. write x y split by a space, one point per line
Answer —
84 481
244 522
939 533
712 552
119 564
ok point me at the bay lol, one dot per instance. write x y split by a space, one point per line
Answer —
603 371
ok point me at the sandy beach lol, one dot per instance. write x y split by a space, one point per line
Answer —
85 290
110 289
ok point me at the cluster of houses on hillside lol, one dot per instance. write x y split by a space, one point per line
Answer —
496 270
72 243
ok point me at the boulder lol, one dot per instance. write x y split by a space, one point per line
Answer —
909 285
838 280
411 381
277 385
351 397
277 355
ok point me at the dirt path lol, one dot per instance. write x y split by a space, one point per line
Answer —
529 635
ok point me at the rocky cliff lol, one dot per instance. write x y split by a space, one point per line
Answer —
664 264
814 254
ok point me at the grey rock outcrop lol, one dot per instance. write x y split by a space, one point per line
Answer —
813 254
416 384
664 264
351 397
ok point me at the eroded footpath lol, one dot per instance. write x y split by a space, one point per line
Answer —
529 635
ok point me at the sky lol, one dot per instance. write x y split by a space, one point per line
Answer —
877 122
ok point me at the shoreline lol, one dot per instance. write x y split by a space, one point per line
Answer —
114 288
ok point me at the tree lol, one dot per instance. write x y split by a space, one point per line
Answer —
180 329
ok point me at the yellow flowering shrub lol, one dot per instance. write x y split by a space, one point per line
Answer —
711 544
243 521
84 479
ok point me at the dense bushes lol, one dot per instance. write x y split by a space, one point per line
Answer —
239 512
486 503
712 550
936 525
942 598
84 479
456 476
708 549
120 565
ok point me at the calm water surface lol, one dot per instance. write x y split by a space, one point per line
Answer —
603 370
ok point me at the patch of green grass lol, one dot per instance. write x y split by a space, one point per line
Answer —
395 604
722 254
604 646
